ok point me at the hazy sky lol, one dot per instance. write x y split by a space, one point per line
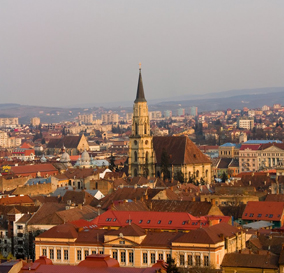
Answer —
65 52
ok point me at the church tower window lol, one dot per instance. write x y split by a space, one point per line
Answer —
135 156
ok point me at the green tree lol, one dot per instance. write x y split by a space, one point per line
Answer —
191 179
112 164
224 177
165 164
179 176
202 181
171 268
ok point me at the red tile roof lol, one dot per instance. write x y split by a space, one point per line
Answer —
250 146
268 211
209 235
33 169
17 200
180 149
154 220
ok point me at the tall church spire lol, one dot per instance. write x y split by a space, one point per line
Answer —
140 97
141 153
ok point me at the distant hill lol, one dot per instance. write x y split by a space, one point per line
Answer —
234 102
235 99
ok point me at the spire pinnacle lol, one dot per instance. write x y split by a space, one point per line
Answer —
140 97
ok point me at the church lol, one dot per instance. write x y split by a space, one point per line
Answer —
146 152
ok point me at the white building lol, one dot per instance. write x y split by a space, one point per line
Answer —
8 142
7 122
110 118
35 121
88 119
246 123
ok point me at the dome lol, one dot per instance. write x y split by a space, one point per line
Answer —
65 158
43 159
85 158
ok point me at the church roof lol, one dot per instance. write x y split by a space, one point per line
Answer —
140 97
67 141
180 149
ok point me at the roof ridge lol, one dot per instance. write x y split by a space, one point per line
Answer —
184 150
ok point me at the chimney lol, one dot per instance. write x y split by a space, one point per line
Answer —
252 174
172 188
250 183
80 206
213 202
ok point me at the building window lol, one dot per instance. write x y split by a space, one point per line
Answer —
206 261
79 255
197 174
86 253
58 253
145 258
169 256
101 252
44 252
66 256
197 260
189 260
51 254
114 254
181 259
131 257
122 242
94 251
153 258
161 256
122 256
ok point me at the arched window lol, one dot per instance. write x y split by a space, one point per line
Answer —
136 129
135 172
135 156
146 172
146 158
206 173
145 129
96 185
197 174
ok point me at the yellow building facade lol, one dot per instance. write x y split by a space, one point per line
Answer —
134 247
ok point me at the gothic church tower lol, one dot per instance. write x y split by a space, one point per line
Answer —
141 153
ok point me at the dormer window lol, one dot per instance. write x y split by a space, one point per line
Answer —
170 222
